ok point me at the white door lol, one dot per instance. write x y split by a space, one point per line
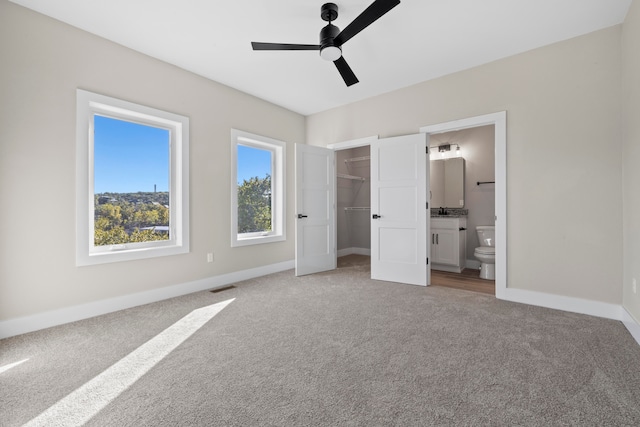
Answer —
400 215
315 218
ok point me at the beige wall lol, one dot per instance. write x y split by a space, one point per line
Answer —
564 197
631 157
43 62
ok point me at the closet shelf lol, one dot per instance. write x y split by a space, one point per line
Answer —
357 208
357 159
355 178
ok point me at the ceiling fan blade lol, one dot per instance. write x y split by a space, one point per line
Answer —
345 71
283 46
371 14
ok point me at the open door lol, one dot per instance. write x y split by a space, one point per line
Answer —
315 217
400 214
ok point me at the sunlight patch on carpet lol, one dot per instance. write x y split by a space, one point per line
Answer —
11 365
85 402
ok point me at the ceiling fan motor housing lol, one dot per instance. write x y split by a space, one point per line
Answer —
328 49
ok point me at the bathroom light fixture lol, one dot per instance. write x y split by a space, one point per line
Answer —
446 151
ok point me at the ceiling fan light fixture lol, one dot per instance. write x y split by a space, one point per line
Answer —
331 53
332 39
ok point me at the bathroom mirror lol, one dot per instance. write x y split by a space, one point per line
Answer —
447 183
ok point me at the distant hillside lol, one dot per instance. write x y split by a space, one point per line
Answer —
161 197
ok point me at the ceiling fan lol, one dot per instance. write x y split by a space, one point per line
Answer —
332 39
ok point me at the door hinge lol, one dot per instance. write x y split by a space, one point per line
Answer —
427 261
427 149
427 205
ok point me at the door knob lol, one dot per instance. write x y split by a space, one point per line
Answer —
376 216
302 216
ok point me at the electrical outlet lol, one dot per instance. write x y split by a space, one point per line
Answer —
634 286
210 257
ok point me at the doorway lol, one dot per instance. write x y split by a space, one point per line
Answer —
499 121
399 179
353 201
462 185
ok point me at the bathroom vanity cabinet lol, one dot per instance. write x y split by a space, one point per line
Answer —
448 243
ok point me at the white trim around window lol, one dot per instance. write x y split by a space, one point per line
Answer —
88 106
278 150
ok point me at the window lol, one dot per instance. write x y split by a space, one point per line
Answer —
257 189
132 181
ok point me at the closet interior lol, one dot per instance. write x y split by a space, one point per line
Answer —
353 167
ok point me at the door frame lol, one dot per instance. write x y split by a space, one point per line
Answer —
345 145
499 120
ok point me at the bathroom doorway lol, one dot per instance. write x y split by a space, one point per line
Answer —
498 122
462 198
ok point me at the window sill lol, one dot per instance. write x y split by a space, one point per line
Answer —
257 240
129 255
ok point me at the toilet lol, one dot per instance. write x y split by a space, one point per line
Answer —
486 252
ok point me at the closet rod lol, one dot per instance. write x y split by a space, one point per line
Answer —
357 159
345 176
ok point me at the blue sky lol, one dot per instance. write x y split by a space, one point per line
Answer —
252 162
129 157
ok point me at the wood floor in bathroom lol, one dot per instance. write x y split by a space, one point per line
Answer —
468 280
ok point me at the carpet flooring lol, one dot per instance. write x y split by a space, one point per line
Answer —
339 349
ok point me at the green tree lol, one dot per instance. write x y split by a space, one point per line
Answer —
111 213
254 205
147 236
111 236
146 218
119 218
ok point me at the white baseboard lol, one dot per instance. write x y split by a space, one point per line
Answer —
574 305
354 251
559 302
632 325
22 325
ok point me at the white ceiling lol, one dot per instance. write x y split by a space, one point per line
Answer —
416 41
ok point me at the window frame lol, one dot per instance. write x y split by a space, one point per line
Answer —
278 196
89 105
